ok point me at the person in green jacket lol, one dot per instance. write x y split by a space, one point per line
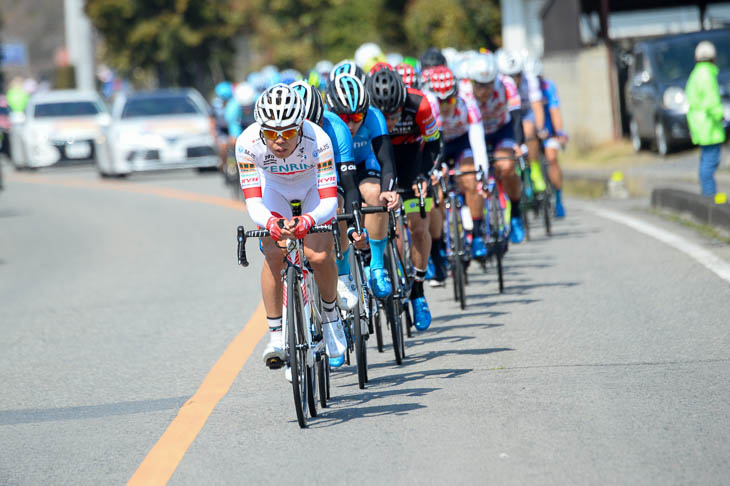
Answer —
705 115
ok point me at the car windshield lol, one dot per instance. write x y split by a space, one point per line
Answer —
65 108
159 106
674 59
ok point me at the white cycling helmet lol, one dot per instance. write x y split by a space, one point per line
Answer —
509 62
452 56
532 66
245 94
483 68
367 52
324 67
279 107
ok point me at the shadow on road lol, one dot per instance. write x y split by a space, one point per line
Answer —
37 415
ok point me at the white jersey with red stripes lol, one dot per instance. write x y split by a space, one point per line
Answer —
465 113
495 112
307 172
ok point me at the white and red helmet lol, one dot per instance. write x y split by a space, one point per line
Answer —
442 83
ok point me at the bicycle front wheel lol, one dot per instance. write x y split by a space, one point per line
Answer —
297 348
360 344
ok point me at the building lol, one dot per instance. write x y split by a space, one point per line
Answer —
584 43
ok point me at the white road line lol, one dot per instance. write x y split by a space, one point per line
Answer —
704 257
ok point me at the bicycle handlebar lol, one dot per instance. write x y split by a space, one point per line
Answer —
242 235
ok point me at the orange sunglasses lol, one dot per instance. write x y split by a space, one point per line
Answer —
355 117
287 134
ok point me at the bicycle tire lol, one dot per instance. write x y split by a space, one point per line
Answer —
393 258
497 236
458 261
393 319
360 348
375 315
322 383
297 357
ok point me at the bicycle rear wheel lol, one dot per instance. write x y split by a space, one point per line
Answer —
459 269
497 235
297 350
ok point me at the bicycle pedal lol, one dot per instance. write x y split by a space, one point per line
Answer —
275 363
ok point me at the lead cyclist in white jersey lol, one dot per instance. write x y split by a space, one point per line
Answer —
282 157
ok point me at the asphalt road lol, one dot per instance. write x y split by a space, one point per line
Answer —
606 360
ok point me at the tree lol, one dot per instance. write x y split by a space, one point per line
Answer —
181 41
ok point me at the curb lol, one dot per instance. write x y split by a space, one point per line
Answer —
703 209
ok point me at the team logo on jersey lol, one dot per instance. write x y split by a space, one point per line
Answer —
324 165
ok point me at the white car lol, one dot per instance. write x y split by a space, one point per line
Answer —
59 127
158 130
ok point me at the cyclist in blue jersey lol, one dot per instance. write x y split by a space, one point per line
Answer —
374 164
555 136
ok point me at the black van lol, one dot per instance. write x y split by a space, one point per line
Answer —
654 91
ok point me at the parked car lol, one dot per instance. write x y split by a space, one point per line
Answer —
160 130
655 96
58 127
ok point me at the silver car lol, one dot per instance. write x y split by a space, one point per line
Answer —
159 130
57 127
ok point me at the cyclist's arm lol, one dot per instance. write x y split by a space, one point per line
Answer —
514 103
476 137
428 126
383 149
251 187
348 183
326 183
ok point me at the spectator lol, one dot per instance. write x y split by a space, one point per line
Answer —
705 115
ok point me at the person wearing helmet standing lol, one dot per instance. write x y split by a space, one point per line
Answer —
415 136
283 157
705 115
556 136
499 105
374 162
511 64
347 189
464 147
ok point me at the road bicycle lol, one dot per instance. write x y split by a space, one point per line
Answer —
304 347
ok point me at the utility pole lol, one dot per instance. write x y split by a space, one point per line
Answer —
79 43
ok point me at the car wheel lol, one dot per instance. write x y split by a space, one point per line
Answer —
660 139
636 141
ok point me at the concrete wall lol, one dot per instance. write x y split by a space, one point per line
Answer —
583 82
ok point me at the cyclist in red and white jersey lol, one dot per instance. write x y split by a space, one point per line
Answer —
499 104
463 135
282 158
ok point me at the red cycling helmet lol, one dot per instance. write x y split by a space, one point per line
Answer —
408 73
442 83
378 66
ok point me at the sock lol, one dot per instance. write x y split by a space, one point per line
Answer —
367 255
378 250
515 209
343 266
417 289
536 176
274 323
558 196
477 231
438 261
329 309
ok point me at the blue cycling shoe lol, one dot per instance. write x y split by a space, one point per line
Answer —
421 313
517 233
337 362
478 249
430 270
380 283
559 209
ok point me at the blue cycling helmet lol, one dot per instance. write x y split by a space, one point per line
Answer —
348 67
224 90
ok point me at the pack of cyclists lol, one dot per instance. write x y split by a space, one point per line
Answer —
379 134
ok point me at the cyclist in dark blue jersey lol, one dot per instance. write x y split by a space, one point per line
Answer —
374 163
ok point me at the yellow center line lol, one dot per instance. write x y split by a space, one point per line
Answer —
164 457
130 187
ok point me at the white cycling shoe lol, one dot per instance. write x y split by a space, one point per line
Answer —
287 373
346 292
274 353
334 338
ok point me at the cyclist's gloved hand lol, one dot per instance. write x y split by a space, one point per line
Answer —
304 224
274 228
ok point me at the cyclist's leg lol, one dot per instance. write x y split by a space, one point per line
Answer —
271 285
555 173
504 171
368 174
